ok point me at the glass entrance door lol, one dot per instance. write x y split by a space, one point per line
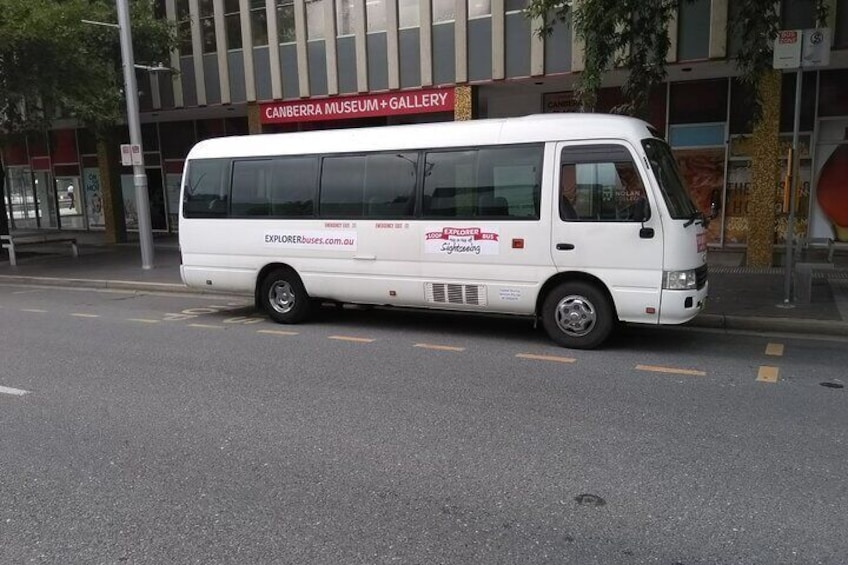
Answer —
46 202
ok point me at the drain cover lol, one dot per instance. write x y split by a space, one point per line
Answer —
589 500
833 385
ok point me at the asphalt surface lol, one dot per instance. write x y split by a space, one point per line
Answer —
189 429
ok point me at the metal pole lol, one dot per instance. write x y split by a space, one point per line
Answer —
790 224
145 233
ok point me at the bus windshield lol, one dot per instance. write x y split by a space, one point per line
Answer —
676 197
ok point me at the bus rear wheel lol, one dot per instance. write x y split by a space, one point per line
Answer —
577 315
284 298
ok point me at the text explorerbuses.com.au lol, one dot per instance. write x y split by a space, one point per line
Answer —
318 241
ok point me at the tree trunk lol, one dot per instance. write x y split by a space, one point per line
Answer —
765 173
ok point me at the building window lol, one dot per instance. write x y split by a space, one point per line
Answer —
232 19
345 17
258 22
408 13
444 11
207 26
375 15
184 27
285 21
479 8
314 19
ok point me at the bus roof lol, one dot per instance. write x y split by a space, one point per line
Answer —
528 129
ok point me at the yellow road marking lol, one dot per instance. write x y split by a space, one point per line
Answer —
439 347
546 358
775 349
767 374
349 338
276 332
78 315
207 326
144 320
36 310
670 370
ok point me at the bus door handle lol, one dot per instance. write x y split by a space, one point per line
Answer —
564 246
365 257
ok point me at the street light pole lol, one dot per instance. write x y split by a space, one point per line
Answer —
145 232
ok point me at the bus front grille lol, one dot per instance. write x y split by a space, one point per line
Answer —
444 293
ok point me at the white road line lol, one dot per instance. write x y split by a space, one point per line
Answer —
143 320
80 315
13 391
36 310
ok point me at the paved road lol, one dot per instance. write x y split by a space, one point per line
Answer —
186 429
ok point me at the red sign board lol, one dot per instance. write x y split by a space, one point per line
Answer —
367 106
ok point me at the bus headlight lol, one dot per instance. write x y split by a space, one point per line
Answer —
680 280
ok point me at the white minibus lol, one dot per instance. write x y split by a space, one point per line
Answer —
580 220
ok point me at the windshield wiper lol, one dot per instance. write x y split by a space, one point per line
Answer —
696 216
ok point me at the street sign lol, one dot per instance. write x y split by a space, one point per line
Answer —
816 48
131 155
137 157
787 49
126 155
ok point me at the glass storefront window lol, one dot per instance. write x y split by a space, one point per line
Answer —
207 26
184 28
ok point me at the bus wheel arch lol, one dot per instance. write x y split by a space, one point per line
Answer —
577 310
281 294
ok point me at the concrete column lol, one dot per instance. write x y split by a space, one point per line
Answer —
392 44
765 173
247 50
108 159
460 41
361 39
671 56
463 106
498 39
330 46
274 47
221 50
302 54
197 55
425 30
254 120
537 48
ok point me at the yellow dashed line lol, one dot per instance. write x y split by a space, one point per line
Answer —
439 347
349 338
79 315
144 320
767 374
546 358
36 310
670 370
206 326
276 332
775 349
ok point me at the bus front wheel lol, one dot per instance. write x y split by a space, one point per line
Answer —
577 315
284 298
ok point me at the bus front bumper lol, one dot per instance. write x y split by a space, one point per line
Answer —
680 306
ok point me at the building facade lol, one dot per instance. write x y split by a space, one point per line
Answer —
251 66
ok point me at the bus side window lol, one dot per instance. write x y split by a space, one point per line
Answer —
600 183
205 192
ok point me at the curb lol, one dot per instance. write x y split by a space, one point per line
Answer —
140 286
766 324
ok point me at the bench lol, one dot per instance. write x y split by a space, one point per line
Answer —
804 272
12 241
827 243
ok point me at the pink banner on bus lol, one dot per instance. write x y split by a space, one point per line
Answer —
367 106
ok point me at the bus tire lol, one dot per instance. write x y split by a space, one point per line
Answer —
577 315
284 298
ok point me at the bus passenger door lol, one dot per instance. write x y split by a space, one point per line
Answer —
606 224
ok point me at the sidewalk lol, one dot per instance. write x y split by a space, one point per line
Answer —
740 298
